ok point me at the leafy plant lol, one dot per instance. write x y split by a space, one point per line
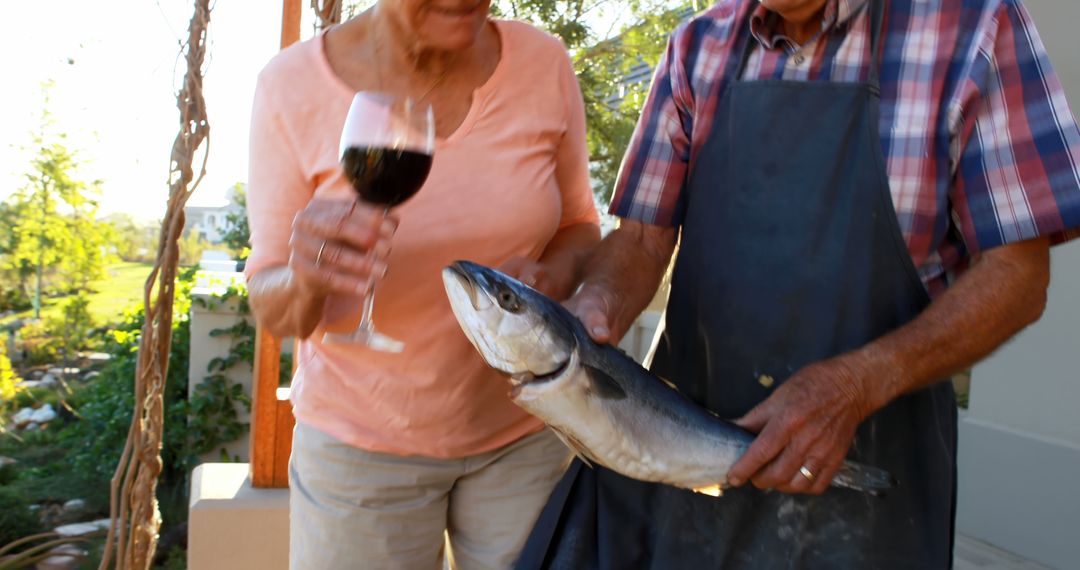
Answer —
609 64
237 234
8 379
72 326
16 518
39 343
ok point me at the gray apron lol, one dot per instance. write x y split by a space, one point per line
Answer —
790 253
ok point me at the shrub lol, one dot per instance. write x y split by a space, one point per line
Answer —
39 343
8 379
14 299
72 326
16 518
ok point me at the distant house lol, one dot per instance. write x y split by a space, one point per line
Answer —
209 222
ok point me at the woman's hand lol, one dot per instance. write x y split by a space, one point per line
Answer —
339 247
556 280
558 271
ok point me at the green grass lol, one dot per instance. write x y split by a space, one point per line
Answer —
109 297
123 288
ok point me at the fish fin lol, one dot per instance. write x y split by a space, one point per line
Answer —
870 480
669 383
605 386
711 490
574 445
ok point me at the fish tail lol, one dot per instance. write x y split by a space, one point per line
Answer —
865 478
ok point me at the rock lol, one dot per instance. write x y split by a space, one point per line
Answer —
22 418
98 357
90 375
64 557
5 461
79 529
64 371
36 374
49 380
32 427
75 505
34 508
44 414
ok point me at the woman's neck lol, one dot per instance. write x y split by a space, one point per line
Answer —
395 47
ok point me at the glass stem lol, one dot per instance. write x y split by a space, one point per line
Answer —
366 322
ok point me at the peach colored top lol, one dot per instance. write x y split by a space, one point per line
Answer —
513 173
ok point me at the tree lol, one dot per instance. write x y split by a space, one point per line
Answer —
603 60
52 222
192 247
134 240
15 274
237 234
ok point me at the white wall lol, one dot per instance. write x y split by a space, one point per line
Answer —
1033 383
1019 453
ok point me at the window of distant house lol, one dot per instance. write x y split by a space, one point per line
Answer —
211 220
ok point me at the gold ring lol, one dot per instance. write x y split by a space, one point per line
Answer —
806 472
318 256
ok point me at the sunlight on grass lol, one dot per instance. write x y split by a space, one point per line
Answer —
123 288
108 298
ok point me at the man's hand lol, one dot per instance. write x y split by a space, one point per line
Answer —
622 278
810 422
592 304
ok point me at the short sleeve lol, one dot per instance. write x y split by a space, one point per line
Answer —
1016 143
277 187
572 158
653 172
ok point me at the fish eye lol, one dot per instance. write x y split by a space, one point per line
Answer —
508 300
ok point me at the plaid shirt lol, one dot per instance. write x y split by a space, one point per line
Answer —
981 147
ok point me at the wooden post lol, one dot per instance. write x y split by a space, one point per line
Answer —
264 408
290 22
271 414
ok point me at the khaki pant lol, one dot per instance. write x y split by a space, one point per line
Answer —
351 508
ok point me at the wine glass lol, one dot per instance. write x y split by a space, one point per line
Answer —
386 151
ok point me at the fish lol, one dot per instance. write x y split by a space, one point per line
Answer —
605 407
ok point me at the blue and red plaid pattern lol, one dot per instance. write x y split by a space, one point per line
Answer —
980 145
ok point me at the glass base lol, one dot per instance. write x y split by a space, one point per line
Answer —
374 340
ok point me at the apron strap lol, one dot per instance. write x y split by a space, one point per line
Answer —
877 23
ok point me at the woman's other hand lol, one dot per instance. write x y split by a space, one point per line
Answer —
554 279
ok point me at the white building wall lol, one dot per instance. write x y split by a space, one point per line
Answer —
1019 455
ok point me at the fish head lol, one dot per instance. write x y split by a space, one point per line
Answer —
516 329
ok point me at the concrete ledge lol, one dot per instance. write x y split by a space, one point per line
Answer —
233 525
1018 491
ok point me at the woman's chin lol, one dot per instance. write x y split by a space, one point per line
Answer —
452 33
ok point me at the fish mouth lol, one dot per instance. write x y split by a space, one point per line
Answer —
518 382
530 378
468 282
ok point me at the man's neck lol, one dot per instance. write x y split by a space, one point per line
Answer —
803 23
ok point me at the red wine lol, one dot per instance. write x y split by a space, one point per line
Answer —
385 176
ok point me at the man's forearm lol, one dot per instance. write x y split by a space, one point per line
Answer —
1001 294
280 305
626 269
